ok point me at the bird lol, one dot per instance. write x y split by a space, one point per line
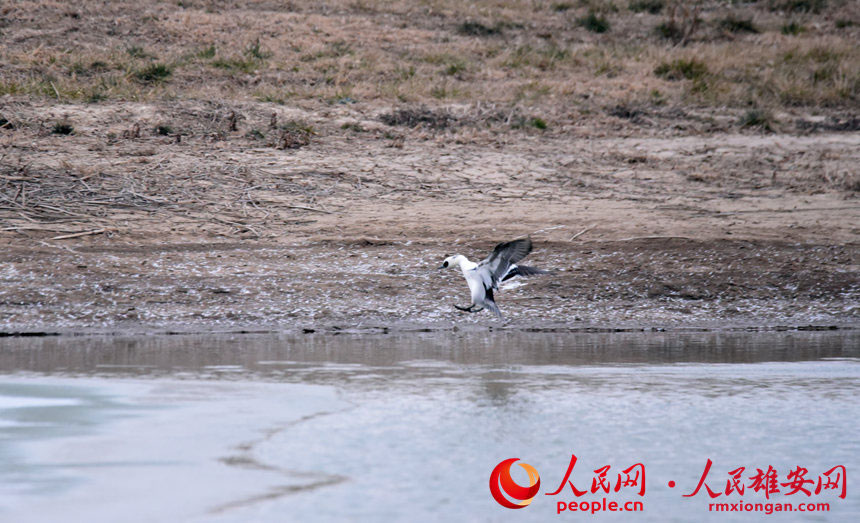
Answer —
484 277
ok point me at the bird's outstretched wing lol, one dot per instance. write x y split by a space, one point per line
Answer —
503 256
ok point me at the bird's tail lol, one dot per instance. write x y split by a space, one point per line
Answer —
490 304
523 270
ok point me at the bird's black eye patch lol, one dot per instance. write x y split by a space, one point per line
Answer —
445 265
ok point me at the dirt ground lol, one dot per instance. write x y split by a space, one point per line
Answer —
707 230
167 212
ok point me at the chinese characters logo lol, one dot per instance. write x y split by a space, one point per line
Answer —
501 481
608 483
833 479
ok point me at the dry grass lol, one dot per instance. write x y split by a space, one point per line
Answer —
816 72
89 189
433 52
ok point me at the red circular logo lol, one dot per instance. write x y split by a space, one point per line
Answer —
501 481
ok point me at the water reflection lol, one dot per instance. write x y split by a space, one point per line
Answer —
325 357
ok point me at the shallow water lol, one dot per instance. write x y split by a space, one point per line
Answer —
409 427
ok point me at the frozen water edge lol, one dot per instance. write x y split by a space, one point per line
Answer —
173 450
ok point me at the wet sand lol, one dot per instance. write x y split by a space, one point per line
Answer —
373 286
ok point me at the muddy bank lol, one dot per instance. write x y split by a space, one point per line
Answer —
116 227
377 285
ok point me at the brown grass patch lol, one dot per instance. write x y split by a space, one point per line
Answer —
439 52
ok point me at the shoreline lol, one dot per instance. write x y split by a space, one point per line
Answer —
394 286
374 330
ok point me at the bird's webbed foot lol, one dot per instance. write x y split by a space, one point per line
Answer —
470 308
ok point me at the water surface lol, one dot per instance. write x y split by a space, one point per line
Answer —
408 427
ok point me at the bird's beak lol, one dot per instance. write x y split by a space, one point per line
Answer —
441 267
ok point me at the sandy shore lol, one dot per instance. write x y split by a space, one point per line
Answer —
391 285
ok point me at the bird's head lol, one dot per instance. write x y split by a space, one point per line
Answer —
451 261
